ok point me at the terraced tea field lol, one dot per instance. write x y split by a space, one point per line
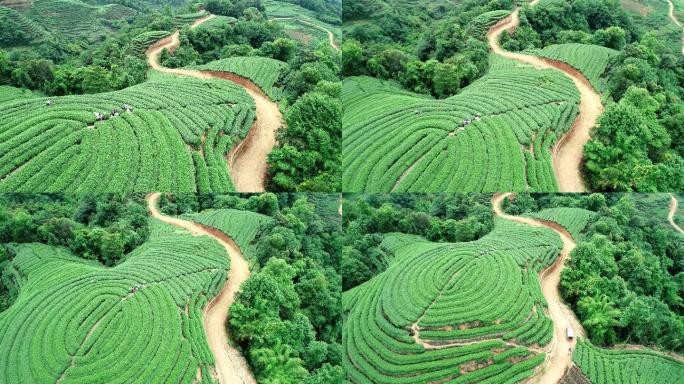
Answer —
141 42
590 60
67 19
303 21
574 220
481 24
31 31
79 322
627 366
241 226
248 159
175 139
396 141
262 71
520 127
230 365
460 313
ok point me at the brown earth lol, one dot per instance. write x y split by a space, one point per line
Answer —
559 357
568 152
674 18
670 215
247 162
231 367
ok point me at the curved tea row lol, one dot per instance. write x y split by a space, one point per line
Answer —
64 147
397 141
452 312
138 322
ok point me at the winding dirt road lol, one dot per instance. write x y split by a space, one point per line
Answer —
247 161
231 367
674 18
673 210
558 357
331 36
568 152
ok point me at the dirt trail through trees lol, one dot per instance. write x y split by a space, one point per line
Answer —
568 152
331 36
558 358
231 367
247 161
674 18
673 211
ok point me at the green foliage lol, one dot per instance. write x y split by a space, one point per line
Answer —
635 146
176 274
397 141
232 8
643 162
327 13
11 93
101 229
17 29
75 19
623 277
439 218
141 42
615 366
600 22
286 316
217 22
64 148
306 158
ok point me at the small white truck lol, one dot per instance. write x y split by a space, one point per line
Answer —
570 333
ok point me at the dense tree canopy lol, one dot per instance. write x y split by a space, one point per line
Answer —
624 278
58 65
428 50
637 143
307 157
287 316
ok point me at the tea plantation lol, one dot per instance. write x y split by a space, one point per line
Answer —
397 141
452 312
174 139
139 322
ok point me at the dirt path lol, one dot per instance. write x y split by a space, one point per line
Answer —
331 36
673 210
247 162
674 18
568 152
231 367
559 358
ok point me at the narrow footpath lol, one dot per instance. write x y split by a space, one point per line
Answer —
247 162
231 367
569 151
673 210
679 23
559 356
